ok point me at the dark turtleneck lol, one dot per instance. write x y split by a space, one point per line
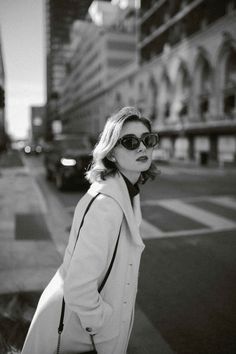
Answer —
133 189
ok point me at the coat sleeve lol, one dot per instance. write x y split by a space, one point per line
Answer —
96 244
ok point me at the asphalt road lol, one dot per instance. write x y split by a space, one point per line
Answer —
187 286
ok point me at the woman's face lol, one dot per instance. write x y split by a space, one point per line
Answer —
132 162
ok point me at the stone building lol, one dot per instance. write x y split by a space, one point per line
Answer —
183 77
100 52
189 49
3 136
60 14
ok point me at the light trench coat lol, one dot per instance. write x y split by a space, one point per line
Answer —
110 314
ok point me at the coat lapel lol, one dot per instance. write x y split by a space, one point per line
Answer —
137 210
115 188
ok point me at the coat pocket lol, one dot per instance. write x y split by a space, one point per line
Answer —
110 330
73 331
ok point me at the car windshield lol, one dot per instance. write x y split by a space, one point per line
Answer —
74 144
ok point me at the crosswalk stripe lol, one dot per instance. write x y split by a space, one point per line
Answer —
224 201
181 233
150 202
148 230
204 217
216 223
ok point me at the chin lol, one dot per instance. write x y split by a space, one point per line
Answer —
145 167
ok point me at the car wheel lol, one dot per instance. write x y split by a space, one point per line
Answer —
60 181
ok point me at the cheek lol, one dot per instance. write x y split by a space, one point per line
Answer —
150 153
123 159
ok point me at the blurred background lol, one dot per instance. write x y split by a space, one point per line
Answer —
65 66
82 60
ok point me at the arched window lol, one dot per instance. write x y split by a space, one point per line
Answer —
182 94
226 72
229 90
202 87
165 97
151 98
141 101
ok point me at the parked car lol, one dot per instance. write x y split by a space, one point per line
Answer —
66 160
33 149
161 155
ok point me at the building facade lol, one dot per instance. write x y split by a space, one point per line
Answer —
189 48
3 135
101 51
60 14
184 80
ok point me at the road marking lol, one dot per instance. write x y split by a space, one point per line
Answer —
150 202
216 223
204 217
224 201
150 231
183 233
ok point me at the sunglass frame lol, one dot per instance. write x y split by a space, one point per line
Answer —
139 140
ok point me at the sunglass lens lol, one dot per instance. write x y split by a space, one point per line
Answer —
150 140
130 143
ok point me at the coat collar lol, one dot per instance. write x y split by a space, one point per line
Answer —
115 187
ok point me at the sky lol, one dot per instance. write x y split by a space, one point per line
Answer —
22 31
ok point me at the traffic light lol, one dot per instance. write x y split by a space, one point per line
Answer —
2 97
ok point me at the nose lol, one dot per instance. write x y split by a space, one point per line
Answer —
142 147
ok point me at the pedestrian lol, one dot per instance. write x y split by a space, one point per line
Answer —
99 274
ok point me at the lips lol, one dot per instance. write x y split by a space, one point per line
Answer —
142 158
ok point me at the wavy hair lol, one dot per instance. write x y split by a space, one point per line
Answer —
101 166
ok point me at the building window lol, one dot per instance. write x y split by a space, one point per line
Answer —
152 98
204 89
118 100
182 94
121 45
166 110
229 95
165 97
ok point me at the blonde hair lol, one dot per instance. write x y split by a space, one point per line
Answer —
101 166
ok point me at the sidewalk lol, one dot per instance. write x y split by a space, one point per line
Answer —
28 257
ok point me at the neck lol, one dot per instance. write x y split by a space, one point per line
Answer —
132 177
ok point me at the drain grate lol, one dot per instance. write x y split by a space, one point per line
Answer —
31 227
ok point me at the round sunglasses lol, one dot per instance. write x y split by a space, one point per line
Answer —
132 142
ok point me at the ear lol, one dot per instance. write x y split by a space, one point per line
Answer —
111 158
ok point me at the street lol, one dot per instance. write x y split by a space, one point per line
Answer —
187 285
108 84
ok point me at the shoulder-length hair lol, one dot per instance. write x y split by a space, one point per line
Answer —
102 166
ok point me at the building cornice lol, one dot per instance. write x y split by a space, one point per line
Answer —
169 23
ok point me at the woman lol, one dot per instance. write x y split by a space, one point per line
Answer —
121 159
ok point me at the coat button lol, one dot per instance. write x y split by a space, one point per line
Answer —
89 329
